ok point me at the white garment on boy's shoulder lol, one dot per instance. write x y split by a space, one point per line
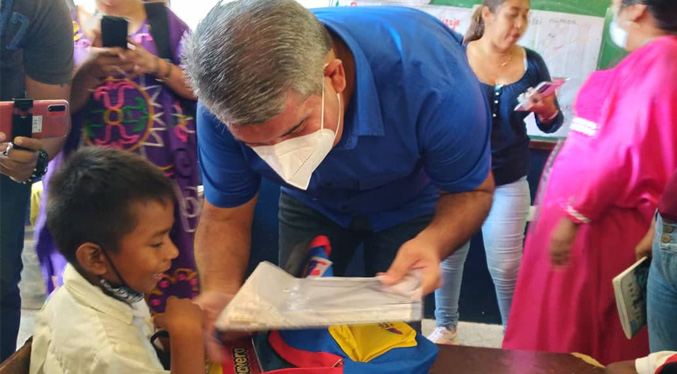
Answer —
81 330
651 363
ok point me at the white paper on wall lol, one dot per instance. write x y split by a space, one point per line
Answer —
570 45
456 18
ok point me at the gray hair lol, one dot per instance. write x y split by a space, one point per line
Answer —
245 56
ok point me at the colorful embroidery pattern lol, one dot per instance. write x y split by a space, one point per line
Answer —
179 281
145 117
126 119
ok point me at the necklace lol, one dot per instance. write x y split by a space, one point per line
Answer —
507 61
479 54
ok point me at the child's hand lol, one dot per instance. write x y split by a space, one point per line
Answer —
181 316
184 321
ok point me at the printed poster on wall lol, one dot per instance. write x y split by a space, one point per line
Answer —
456 18
570 45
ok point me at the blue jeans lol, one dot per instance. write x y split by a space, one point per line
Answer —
14 198
300 223
503 235
662 288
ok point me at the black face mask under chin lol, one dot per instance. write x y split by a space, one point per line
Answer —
122 292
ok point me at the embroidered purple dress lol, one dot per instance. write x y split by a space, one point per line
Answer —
142 116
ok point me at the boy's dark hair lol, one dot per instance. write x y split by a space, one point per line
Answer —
90 197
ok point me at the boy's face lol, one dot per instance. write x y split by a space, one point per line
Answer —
147 252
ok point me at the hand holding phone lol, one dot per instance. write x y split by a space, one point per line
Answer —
49 120
543 89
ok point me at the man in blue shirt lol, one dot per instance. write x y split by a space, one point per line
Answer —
370 119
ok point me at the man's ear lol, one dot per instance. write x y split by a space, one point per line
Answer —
91 258
335 71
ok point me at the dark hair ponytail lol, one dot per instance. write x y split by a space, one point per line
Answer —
476 29
663 11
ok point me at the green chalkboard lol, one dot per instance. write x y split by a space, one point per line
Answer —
610 54
584 7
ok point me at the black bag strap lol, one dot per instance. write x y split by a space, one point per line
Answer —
158 20
162 355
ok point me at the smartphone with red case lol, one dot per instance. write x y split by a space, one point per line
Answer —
50 119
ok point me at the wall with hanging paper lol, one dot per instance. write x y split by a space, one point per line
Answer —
570 35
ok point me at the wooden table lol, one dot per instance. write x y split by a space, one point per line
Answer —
474 360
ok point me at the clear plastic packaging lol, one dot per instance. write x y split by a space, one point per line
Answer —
272 299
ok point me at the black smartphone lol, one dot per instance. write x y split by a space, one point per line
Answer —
114 31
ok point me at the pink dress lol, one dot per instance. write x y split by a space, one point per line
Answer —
621 150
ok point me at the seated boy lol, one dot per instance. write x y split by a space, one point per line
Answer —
110 213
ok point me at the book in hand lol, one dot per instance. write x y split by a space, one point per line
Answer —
630 292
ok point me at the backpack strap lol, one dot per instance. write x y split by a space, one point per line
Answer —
158 20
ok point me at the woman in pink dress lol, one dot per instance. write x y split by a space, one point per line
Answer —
597 201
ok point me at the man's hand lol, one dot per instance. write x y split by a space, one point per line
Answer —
458 216
561 241
18 164
417 253
212 304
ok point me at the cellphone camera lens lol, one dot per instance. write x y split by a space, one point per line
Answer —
56 108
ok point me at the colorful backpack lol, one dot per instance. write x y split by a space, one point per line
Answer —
385 348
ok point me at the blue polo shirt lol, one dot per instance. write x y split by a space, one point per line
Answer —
417 123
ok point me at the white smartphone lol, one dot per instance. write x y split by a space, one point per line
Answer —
543 88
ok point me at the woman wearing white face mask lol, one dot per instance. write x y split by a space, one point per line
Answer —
601 194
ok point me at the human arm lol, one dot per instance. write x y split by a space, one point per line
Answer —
230 190
19 164
464 212
183 320
561 240
645 246
222 241
622 170
148 63
48 63
99 64
548 115
222 244
455 141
